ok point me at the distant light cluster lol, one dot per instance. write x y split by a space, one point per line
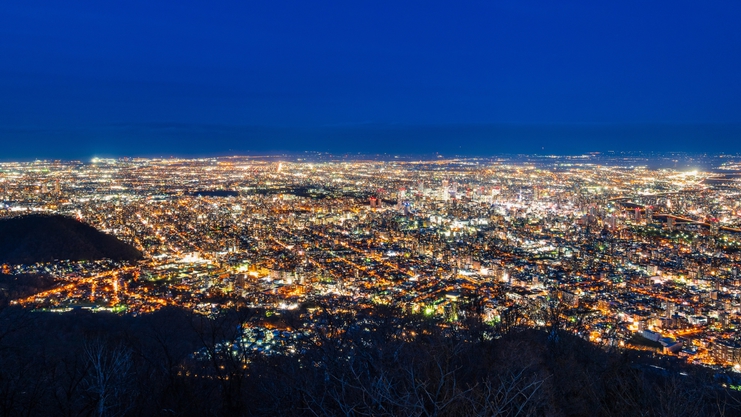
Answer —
640 257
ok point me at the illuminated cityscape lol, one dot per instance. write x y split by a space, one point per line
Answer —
370 209
629 254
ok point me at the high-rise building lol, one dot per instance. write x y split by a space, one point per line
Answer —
727 351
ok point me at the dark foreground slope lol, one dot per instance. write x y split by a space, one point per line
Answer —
371 364
43 238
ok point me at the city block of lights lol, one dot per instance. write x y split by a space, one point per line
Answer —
643 250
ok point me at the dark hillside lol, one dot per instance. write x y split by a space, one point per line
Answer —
23 285
42 238
376 363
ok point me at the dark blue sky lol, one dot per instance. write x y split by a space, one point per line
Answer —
148 77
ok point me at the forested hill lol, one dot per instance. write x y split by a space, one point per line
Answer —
45 238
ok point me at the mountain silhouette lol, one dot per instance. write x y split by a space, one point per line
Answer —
45 238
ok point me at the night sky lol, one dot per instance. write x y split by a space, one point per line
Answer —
146 77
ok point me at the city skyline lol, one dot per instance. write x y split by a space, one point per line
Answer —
201 271
509 208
